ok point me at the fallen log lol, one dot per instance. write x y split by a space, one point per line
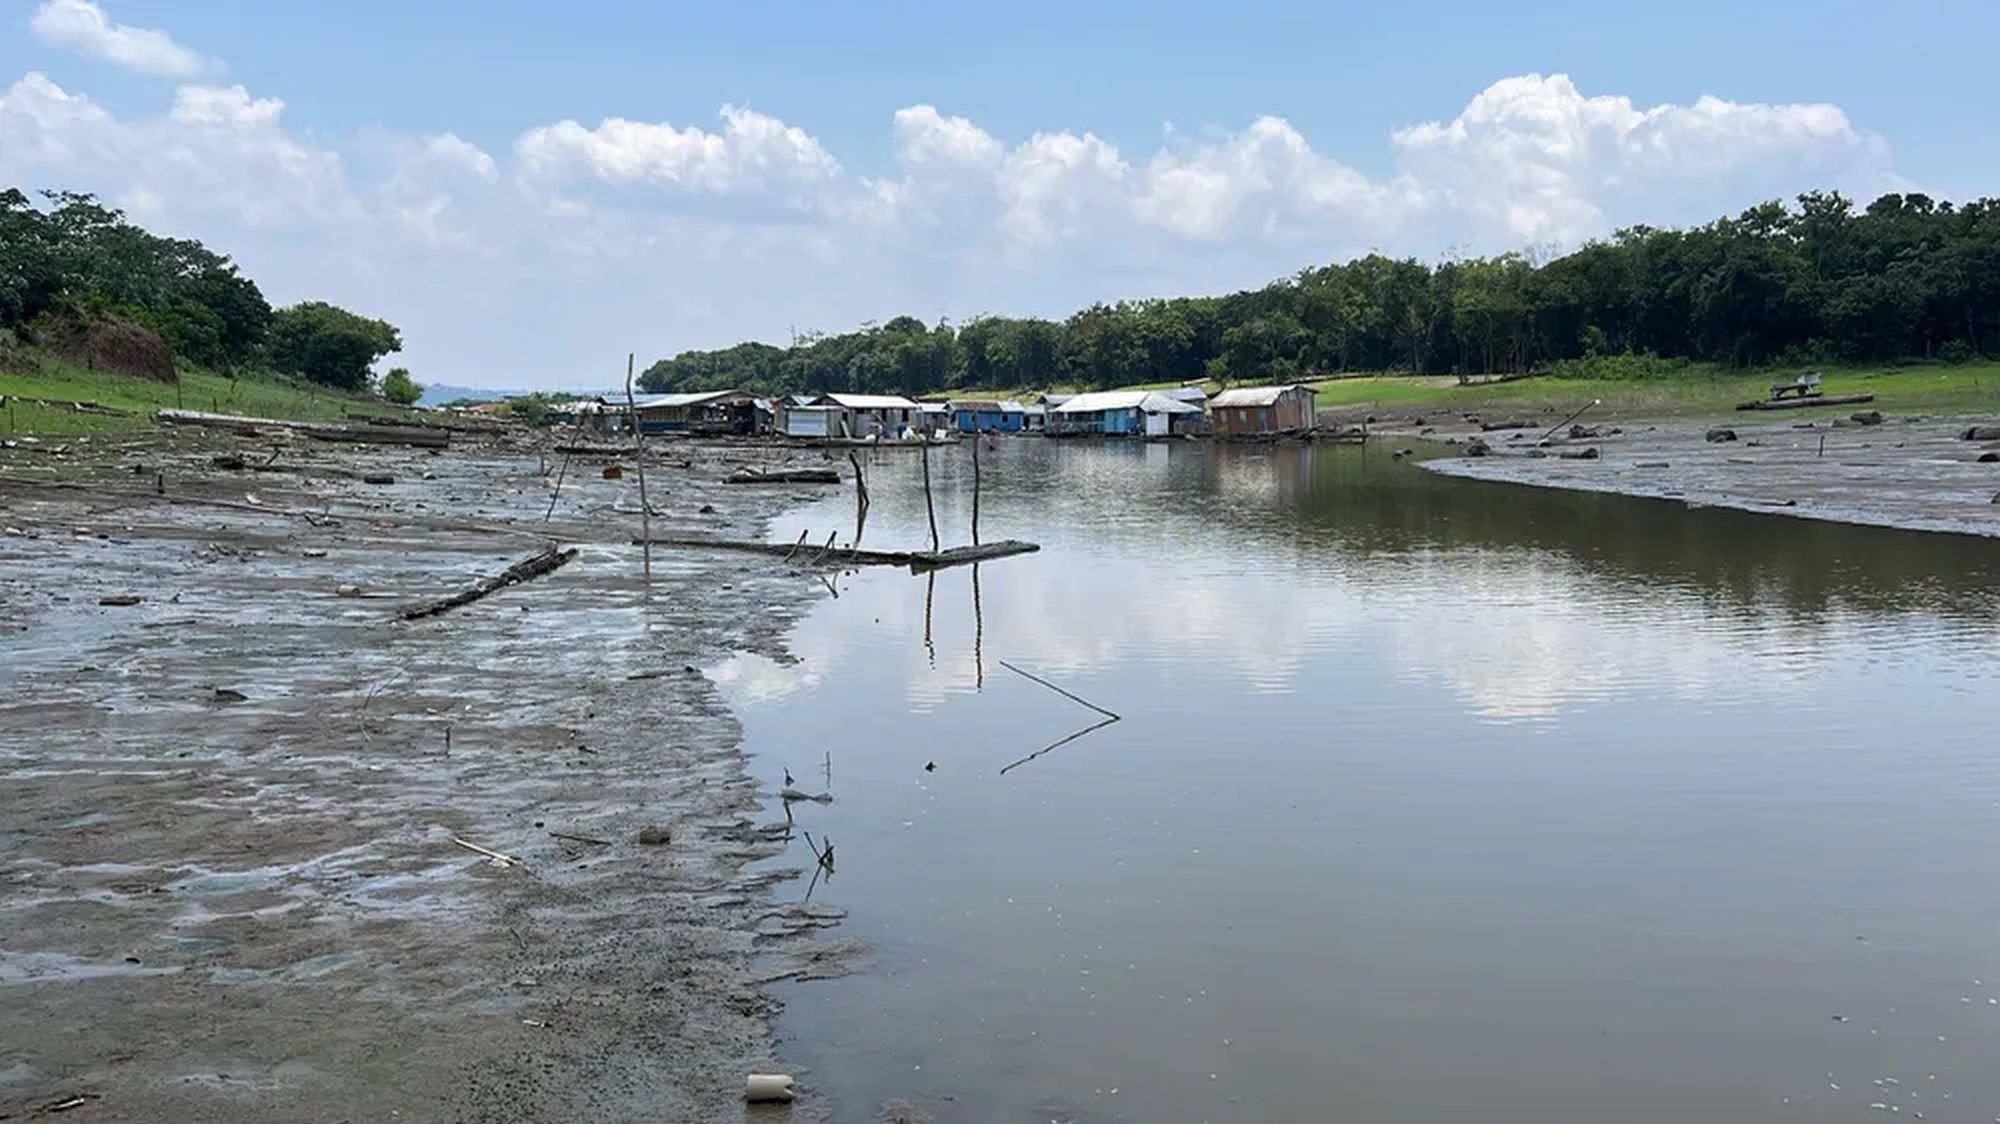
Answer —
324 431
1806 403
919 561
525 570
784 476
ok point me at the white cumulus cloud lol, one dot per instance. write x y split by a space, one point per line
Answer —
662 236
82 26
752 151
1535 159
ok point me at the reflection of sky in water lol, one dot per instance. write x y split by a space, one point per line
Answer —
1432 800
1512 633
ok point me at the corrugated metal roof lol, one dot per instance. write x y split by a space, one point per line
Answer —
1251 396
1193 395
1143 400
678 401
872 401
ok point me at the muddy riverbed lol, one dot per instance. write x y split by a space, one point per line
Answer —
1909 472
233 887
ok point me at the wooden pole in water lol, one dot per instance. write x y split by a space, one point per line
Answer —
639 441
929 507
930 595
975 486
560 473
978 635
860 498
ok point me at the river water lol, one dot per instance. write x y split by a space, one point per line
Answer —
1432 800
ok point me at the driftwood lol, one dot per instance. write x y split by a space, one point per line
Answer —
324 431
919 561
784 476
525 570
1807 403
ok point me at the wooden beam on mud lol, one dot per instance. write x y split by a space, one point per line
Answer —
783 476
324 431
1805 403
527 569
919 561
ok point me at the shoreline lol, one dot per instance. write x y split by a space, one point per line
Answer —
1904 473
234 888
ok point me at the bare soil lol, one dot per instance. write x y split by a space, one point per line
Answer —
1909 472
229 887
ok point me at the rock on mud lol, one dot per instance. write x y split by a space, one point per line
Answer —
1720 435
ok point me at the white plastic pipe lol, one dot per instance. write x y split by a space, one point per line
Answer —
763 1087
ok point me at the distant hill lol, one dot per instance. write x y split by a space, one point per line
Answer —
437 394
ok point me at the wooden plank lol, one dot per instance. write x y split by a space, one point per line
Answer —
920 561
966 555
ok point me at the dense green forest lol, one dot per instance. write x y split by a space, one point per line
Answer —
79 261
1908 277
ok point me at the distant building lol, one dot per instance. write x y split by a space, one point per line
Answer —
868 415
1248 410
978 415
1124 413
706 413
1191 395
802 420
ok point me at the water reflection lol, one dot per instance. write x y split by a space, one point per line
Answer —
1434 800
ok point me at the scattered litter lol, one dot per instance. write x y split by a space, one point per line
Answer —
499 859
230 695
120 599
765 1088
347 591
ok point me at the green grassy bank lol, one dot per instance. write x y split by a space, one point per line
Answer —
59 383
1973 388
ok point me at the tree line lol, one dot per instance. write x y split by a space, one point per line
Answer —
78 259
1817 281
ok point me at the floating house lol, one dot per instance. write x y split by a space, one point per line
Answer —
861 415
805 420
710 413
1256 410
1124 413
978 415
1191 395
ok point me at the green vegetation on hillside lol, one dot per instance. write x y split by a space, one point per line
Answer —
1810 284
37 400
80 264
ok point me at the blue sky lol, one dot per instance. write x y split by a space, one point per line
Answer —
449 166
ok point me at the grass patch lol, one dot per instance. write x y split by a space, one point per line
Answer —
1695 392
249 395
